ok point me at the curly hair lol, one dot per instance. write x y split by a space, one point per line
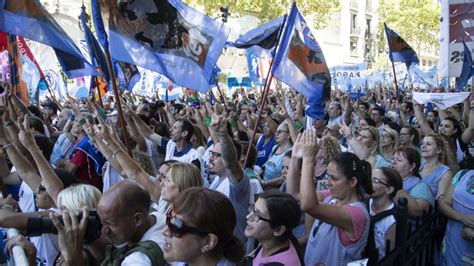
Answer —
442 144
331 147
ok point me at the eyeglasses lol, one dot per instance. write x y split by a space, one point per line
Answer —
254 217
178 228
384 136
215 154
377 180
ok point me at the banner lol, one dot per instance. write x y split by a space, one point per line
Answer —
457 24
442 100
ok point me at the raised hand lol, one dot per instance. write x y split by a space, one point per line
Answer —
297 147
310 145
26 133
219 123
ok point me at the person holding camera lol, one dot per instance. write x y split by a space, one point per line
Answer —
132 233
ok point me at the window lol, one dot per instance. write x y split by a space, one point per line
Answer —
369 30
353 21
353 47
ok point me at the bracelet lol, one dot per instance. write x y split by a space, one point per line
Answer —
115 153
8 123
6 146
7 206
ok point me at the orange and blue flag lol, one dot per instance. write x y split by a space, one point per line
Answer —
299 62
167 37
19 87
399 49
28 18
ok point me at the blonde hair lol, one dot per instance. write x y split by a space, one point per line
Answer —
394 134
375 136
185 175
77 196
442 144
331 147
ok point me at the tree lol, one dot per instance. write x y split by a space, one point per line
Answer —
319 10
416 21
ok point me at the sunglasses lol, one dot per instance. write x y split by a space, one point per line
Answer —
377 180
178 228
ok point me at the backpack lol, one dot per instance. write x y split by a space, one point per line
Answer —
114 256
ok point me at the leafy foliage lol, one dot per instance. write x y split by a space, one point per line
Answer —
319 11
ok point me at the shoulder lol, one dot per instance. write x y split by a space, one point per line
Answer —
136 258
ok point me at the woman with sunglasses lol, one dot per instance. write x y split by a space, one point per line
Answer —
386 182
200 229
273 166
388 142
271 221
340 230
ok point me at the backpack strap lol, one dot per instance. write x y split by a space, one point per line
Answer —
151 250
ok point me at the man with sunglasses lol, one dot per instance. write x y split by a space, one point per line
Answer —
230 177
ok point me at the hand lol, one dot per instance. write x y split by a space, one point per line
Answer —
468 220
26 133
10 201
71 233
297 147
467 233
24 243
310 145
345 130
219 123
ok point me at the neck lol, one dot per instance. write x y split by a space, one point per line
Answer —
180 145
352 197
269 247
284 145
380 203
149 222
431 161
204 259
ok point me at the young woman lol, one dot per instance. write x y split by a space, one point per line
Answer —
386 182
340 230
271 221
200 229
434 170
388 143
406 161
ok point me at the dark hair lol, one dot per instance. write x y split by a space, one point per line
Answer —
416 135
44 144
379 109
412 156
457 126
242 135
393 179
186 125
35 111
351 166
369 121
144 118
283 210
367 106
162 129
67 178
252 159
213 212
36 123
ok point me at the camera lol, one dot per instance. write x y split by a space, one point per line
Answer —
37 226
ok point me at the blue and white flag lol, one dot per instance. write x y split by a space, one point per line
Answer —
167 37
28 18
299 62
399 49
467 69
261 40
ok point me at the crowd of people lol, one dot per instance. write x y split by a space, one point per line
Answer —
190 184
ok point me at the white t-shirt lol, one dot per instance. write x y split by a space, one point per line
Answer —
154 233
110 177
381 228
189 157
26 198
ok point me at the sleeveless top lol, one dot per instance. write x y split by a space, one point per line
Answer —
273 166
324 244
264 150
432 179
458 251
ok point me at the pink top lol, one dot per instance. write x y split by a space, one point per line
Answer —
358 223
287 257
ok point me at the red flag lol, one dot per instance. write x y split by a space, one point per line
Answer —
25 50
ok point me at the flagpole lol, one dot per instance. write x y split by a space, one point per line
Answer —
221 94
117 99
268 82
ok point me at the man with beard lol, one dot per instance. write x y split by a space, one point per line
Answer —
230 177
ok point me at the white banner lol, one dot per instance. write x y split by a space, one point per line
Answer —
442 100
457 24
